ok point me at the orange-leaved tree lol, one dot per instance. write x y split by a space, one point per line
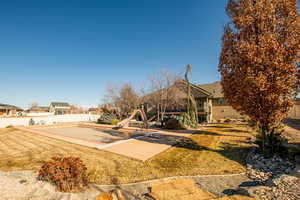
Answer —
259 60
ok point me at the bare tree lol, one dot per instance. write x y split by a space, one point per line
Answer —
124 99
162 95
33 105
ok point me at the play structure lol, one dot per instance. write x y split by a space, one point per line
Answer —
126 121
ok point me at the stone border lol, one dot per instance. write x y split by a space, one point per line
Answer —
171 178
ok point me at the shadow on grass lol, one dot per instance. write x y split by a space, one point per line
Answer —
216 126
235 131
218 134
231 151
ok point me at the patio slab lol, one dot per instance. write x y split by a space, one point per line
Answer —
74 140
141 148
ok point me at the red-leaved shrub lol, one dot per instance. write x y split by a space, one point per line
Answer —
67 174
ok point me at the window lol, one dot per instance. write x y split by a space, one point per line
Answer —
221 101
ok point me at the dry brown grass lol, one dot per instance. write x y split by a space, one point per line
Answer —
216 150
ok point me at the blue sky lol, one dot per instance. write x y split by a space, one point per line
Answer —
70 50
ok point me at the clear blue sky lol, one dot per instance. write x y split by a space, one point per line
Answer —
70 50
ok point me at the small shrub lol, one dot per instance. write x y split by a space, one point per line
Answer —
106 118
189 121
67 174
31 122
114 121
273 141
9 126
174 124
227 120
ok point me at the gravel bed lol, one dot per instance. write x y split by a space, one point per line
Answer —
262 169
273 177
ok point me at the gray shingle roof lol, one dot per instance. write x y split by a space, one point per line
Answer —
59 104
214 88
10 107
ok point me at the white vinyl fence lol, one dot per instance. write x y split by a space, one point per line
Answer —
47 120
39 114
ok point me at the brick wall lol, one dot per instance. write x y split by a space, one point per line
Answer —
224 112
294 112
227 112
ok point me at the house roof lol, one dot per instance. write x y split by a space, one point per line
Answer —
59 104
45 108
214 88
196 90
179 90
10 107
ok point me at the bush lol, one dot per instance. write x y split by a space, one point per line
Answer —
114 121
273 141
31 122
106 118
227 120
189 121
67 174
174 124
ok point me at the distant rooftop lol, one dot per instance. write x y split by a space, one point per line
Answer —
60 104
214 88
45 108
9 107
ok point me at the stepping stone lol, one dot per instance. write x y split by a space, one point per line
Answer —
179 189
113 195
104 197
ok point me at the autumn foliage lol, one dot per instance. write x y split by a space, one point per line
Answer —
259 60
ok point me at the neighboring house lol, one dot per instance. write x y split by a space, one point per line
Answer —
211 104
59 108
77 110
6 109
209 98
220 109
178 96
38 109
95 111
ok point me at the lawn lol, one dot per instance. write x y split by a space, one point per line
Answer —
218 149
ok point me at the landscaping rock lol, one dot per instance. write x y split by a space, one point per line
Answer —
272 173
104 196
113 195
283 188
261 169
